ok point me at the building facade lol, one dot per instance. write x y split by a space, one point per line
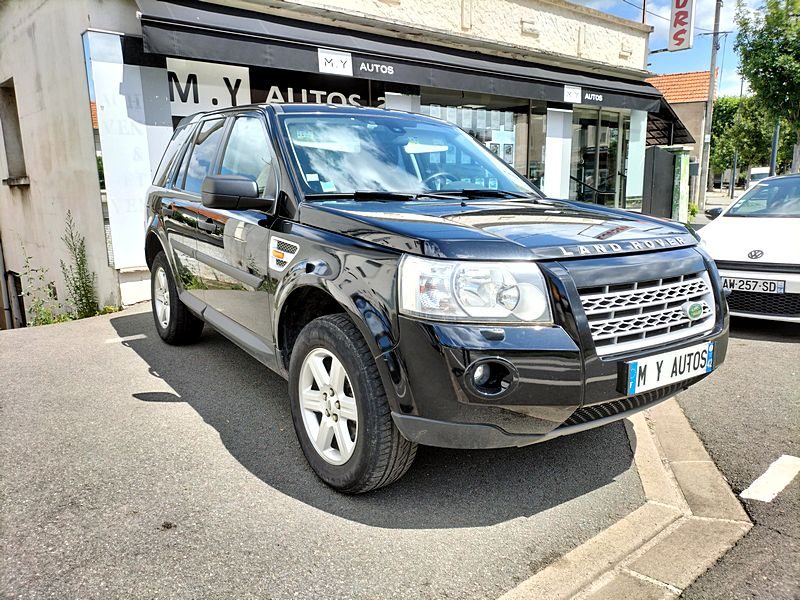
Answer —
92 89
687 94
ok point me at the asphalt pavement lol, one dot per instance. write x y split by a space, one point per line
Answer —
748 415
132 468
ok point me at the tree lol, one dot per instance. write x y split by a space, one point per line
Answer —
722 146
768 44
742 124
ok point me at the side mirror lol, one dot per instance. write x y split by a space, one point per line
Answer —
233 192
713 213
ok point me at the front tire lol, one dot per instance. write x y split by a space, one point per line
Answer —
175 324
340 412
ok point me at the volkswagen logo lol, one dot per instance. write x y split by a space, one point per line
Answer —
754 254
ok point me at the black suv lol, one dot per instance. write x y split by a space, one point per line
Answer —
414 289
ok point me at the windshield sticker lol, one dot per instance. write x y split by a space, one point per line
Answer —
311 177
327 186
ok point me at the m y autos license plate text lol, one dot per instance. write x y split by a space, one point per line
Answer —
670 367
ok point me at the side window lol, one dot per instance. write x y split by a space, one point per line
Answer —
248 153
201 154
170 154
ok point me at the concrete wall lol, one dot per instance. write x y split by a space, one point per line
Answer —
41 49
693 115
547 31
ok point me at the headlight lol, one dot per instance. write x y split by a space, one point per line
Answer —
485 292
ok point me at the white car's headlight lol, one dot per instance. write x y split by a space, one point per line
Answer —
484 292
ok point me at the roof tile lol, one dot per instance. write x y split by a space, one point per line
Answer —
682 87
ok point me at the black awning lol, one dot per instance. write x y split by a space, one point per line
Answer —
223 34
664 128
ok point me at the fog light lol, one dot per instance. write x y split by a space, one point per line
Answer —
491 377
481 375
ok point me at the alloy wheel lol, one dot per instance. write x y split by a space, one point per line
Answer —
161 297
328 406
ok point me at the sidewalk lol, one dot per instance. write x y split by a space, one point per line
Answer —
717 198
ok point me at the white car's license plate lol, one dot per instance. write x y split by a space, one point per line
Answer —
662 369
766 286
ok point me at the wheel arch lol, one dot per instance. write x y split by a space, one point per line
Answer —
152 246
301 306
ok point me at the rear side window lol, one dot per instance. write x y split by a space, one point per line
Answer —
200 155
248 153
170 155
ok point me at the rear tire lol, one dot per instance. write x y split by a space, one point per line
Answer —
356 446
175 324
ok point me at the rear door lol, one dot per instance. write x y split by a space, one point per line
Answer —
233 246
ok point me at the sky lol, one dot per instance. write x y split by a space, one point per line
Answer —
697 58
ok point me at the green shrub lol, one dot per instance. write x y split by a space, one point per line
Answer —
81 282
43 307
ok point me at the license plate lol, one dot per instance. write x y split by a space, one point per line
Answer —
670 367
766 286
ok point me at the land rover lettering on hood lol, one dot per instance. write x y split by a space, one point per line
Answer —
413 289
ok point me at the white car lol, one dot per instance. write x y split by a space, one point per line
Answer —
756 244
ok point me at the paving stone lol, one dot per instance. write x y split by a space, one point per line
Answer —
676 436
624 585
689 550
583 565
658 486
707 492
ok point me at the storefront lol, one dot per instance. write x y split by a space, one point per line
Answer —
574 134
555 89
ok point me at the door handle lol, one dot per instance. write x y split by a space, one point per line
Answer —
207 225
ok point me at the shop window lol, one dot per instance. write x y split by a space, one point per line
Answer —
499 122
12 138
248 153
200 155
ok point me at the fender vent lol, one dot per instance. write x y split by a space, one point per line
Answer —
281 253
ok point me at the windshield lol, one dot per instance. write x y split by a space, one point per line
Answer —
342 154
774 198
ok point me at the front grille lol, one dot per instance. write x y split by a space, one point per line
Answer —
765 304
615 407
643 314
731 265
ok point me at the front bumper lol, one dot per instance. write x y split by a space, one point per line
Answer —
560 385
558 392
758 305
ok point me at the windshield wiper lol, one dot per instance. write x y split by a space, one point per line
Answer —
478 193
363 195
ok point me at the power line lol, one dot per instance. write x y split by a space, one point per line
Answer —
650 12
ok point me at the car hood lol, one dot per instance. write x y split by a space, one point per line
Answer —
733 238
495 229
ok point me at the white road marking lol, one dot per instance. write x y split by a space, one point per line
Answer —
779 474
129 338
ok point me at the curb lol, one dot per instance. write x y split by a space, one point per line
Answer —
690 518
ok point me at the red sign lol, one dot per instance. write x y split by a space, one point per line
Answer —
681 25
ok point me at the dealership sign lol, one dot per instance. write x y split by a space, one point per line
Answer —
681 25
196 86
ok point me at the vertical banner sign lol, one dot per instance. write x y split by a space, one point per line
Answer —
681 25
196 86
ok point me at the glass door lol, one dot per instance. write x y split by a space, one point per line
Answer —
597 169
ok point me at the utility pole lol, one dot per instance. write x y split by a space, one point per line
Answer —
712 81
644 12
776 138
732 184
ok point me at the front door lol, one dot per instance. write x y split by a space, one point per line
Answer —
233 246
